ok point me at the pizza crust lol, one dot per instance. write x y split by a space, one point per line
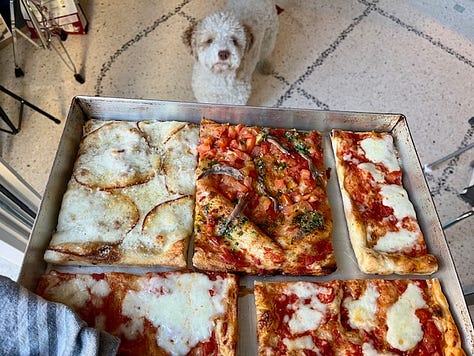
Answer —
371 261
452 340
73 254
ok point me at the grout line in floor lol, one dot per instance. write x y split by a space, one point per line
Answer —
425 36
138 36
371 7
325 54
312 98
442 183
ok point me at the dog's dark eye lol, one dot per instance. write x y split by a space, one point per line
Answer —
209 41
235 42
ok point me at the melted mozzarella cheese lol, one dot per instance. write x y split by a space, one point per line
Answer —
181 308
146 196
396 197
300 343
404 327
172 219
87 215
362 311
135 217
177 143
373 170
394 241
164 225
381 150
114 155
78 291
159 132
180 161
132 328
348 157
306 315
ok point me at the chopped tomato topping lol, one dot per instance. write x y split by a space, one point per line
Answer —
250 143
305 175
232 187
274 256
232 131
276 176
264 203
203 148
285 199
279 184
234 144
222 142
264 148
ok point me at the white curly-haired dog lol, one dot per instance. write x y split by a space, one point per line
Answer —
227 47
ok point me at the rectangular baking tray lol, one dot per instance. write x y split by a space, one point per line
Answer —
84 108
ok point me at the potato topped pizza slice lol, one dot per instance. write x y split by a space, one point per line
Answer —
130 199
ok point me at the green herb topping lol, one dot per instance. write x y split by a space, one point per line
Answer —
309 221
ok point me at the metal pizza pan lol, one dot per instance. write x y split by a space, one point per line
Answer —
84 108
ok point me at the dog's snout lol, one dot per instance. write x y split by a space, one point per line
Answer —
223 55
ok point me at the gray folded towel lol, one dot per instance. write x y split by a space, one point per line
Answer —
30 325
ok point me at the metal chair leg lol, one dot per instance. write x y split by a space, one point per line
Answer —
3 115
47 30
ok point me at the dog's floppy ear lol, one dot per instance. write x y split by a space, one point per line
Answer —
189 40
248 37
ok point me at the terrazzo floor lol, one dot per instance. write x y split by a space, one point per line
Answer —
407 56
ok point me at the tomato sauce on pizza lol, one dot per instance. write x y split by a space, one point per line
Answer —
382 221
355 317
261 203
167 313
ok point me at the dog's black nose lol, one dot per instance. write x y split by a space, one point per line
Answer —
223 55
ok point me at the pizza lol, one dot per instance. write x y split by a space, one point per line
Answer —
382 222
130 199
167 313
355 317
261 203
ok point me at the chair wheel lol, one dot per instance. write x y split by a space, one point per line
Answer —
79 78
63 35
19 72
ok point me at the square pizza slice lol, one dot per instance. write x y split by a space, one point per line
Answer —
261 202
130 199
167 313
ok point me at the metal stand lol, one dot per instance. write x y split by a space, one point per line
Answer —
50 34
14 130
468 196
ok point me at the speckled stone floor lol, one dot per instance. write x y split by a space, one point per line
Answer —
408 56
